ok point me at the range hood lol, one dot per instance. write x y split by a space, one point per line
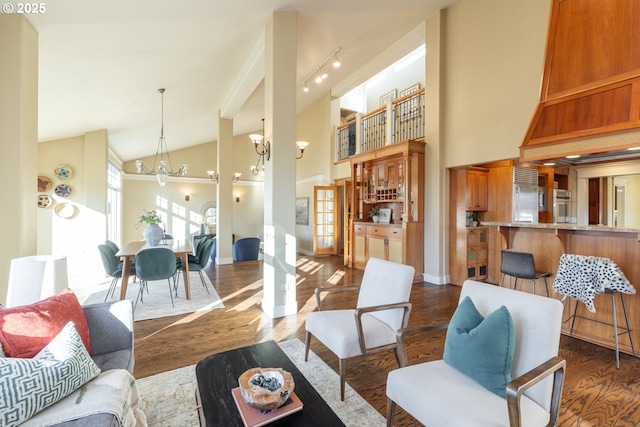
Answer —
590 95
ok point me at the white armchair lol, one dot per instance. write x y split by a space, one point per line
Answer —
383 308
437 394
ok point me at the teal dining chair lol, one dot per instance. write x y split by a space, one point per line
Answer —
156 263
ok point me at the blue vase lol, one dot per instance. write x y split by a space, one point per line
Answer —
153 234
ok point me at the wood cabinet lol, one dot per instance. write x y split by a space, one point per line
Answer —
391 177
477 189
378 241
468 246
477 249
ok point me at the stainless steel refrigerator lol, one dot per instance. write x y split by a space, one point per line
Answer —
525 195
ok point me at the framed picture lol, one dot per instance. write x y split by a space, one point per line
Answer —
302 211
388 96
410 90
384 216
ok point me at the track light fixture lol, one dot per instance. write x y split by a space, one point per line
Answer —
320 74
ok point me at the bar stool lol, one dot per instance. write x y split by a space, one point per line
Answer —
582 278
521 266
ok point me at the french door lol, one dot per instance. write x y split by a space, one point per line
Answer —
325 227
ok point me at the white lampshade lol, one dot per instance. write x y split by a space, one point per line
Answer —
34 278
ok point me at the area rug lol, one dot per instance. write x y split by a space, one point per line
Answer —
168 398
157 303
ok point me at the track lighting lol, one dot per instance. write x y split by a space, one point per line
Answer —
320 73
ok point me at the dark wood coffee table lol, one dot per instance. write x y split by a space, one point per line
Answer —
218 374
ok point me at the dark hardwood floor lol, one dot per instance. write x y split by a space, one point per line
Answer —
596 394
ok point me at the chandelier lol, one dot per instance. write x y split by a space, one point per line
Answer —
164 169
263 148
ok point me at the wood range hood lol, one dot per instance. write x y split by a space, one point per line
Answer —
590 95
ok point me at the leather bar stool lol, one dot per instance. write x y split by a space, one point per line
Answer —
521 266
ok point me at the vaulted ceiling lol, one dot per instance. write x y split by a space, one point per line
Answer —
102 61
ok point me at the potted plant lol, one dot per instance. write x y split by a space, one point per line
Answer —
374 212
475 219
152 233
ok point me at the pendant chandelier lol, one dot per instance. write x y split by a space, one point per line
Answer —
164 169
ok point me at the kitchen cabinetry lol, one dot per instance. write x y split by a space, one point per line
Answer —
391 177
477 189
477 253
468 246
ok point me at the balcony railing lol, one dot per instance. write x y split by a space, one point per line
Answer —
373 130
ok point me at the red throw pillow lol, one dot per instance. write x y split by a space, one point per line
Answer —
27 329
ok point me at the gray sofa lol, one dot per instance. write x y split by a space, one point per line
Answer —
111 330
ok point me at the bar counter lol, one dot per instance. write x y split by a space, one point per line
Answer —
548 241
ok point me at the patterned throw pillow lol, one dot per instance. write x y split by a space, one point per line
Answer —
29 385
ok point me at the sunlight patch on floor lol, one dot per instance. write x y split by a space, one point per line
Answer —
336 277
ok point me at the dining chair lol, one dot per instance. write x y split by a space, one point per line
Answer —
246 249
382 308
112 266
500 365
197 262
156 263
202 261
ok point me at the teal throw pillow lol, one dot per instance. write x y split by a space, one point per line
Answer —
481 348
29 385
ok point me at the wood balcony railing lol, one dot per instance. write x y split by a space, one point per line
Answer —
374 129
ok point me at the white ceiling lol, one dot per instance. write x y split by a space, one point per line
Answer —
102 61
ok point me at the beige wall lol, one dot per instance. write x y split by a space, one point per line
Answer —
77 237
493 63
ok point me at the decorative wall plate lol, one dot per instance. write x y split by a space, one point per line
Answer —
44 201
64 172
44 184
63 190
65 210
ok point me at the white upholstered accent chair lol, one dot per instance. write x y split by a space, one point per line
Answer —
438 395
383 308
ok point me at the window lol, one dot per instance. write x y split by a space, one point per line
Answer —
114 200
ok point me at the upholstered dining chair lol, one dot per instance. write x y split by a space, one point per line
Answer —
500 365
112 266
156 263
246 249
382 308
198 262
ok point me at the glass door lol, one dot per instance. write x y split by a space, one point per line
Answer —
325 228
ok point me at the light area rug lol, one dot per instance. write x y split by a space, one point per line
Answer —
168 399
157 303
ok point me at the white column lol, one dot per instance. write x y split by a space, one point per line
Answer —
224 197
18 139
280 175
436 202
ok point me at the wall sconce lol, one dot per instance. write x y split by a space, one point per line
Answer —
237 197
264 153
236 177
186 197
301 145
213 176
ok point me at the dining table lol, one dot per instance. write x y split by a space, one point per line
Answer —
181 248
